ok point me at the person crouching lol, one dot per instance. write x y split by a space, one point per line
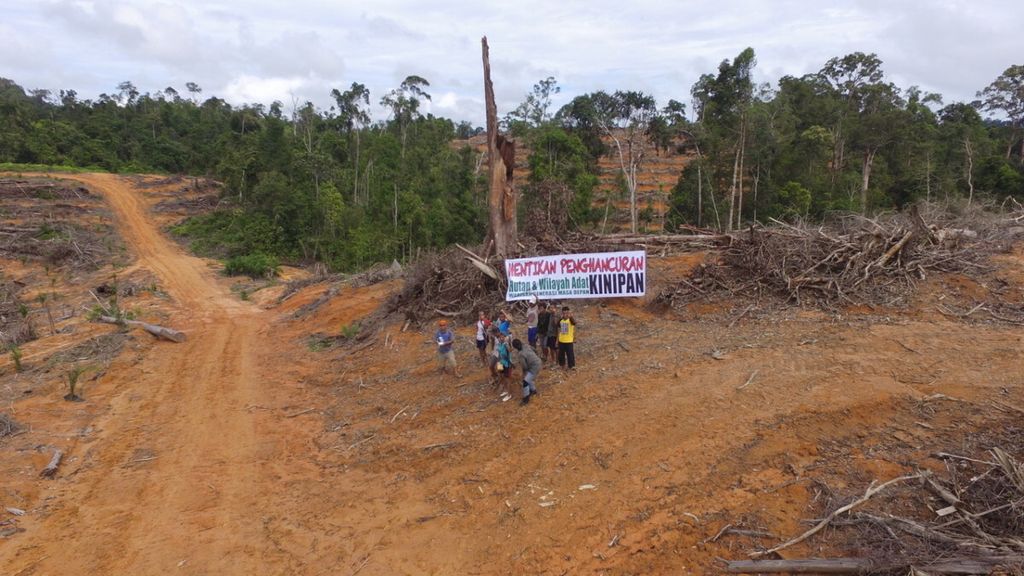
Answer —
531 369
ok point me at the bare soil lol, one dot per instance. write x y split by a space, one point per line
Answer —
247 450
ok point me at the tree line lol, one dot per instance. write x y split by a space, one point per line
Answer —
341 187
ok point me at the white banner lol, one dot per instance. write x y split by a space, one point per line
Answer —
603 275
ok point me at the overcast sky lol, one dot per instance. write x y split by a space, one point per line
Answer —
266 50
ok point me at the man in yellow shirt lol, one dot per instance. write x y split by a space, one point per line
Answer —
566 339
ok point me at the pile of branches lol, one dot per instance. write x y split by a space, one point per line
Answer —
849 260
970 522
454 283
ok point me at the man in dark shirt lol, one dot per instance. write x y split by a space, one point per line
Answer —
543 318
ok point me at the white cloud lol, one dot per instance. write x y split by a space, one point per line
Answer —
267 49
264 90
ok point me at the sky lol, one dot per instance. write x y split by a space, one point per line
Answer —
259 51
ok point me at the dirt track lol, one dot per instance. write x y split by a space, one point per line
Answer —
205 459
173 471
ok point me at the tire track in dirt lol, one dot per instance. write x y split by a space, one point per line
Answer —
171 480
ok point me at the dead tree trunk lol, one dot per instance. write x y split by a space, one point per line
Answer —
865 181
501 197
969 169
157 331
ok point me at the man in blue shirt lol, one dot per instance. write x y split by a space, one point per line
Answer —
504 324
445 354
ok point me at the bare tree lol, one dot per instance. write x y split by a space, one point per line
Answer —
501 197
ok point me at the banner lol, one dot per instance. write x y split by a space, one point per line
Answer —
604 275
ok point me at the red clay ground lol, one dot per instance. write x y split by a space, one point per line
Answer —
247 451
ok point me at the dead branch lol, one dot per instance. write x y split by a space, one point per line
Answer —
51 469
871 491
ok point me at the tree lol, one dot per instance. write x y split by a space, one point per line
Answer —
404 103
964 132
624 118
857 80
534 111
353 115
848 77
722 105
1006 94
194 90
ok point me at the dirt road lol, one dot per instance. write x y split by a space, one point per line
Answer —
169 479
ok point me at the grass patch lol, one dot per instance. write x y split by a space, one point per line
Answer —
16 167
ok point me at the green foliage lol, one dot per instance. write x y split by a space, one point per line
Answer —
794 200
16 358
20 167
341 187
350 331
255 265
73 375
317 343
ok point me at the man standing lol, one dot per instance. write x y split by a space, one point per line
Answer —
445 354
482 324
531 369
552 348
566 339
531 322
543 320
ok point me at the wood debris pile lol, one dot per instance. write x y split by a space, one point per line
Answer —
968 521
850 261
454 283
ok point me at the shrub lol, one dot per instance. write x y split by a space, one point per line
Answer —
16 357
256 265
73 375
349 331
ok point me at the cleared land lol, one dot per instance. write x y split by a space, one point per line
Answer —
260 447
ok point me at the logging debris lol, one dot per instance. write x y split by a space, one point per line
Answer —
968 521
850 259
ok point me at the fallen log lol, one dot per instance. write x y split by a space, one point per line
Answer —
51 468
157 331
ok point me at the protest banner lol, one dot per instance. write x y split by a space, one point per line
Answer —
567 276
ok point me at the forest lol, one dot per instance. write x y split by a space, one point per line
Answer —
338 186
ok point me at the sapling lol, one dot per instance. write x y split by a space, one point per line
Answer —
73 375
16 357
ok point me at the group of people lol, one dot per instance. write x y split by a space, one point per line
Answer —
553 334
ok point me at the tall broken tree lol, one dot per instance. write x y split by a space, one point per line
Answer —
501 196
